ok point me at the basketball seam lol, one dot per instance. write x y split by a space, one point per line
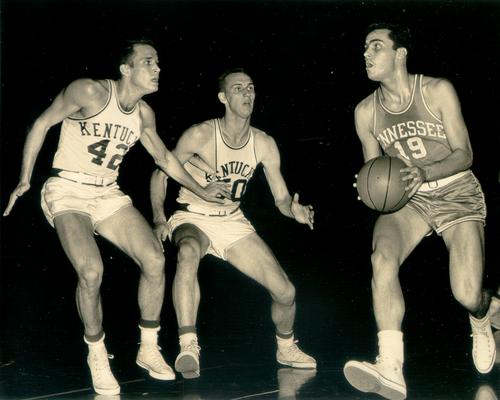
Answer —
368 184
387 185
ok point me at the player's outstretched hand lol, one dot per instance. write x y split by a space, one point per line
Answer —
161 232
302 214
21 188
216 192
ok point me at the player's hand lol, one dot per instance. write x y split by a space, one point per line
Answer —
414 177
355 185
302 214
216 192
161 232
21 188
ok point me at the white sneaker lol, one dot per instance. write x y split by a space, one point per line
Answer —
494 312
150 358
103 380
483 344
188 360
496 335
293 357
385 377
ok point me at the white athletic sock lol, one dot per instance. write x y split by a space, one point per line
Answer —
284 343
149 335
94 345
495 304
186 338
479 322
390 344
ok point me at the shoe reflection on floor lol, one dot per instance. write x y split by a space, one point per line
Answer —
291 380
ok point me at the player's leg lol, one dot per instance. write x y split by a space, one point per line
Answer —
465 243
254 258
128 230
75 232
494 310
394 238
192 245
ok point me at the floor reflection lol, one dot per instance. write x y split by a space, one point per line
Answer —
485 392
291 380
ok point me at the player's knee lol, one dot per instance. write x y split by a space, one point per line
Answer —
286 296
89 276
385 268
188 254
153 263
468 296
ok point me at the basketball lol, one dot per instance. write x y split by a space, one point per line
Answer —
380 186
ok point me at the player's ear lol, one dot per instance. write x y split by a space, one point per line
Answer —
222 97
401 52
125 69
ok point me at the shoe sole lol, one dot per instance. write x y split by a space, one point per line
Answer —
187 366
107 392
156 375
368 380
302 365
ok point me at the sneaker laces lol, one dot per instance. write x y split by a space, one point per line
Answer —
388 361
480 336
192 347
293 349
99 361
152 353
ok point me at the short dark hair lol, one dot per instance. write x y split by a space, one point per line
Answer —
222 78
400 35
126 49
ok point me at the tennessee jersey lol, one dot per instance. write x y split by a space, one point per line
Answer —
234 166
97 144
415 133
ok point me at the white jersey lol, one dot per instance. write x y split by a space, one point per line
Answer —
97 144
232 165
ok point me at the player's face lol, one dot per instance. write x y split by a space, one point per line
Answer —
145 69
239 94
379 54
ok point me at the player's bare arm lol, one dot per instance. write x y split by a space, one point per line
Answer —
169 163
194 142
80 97
268 153
443 101
363 120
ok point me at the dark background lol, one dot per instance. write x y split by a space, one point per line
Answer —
306 61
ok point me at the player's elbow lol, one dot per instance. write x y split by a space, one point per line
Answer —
467 158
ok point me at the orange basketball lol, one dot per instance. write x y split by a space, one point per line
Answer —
380 186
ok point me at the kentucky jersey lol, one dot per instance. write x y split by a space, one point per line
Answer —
415 133
96 145
234 166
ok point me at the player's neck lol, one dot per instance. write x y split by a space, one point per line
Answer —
396 91
235 129
128 96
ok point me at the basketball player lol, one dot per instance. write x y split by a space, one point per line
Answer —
494 311
101 121
418 119
228 149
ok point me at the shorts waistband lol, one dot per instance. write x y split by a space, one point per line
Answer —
220 213
433 185
83 178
